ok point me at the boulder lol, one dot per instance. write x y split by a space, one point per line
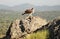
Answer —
20 28
53 27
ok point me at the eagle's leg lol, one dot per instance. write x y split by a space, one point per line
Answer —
30 15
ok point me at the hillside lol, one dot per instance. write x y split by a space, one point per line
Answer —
49 15
24 6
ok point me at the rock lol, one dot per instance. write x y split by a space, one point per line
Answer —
19 28
53 27
15 30
33 23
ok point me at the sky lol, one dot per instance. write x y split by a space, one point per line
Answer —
34 2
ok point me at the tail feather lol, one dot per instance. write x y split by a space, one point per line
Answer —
23 13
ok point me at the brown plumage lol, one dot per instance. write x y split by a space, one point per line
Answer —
28 11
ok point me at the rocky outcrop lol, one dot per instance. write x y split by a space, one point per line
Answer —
19 28
53 27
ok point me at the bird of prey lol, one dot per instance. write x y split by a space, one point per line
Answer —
29 11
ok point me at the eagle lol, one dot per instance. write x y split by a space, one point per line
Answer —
29 11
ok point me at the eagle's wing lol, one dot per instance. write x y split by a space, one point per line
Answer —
28 11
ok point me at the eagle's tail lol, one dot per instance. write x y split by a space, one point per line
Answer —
23 13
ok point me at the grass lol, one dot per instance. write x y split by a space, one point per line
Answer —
39 35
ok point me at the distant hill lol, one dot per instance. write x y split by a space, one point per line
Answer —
4 7
48 8
22 7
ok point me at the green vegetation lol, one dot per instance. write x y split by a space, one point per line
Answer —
39 35
6 17
49 15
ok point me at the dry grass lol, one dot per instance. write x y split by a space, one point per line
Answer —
39 35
